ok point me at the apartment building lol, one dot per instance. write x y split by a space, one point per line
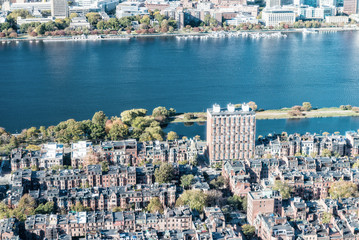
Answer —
230 133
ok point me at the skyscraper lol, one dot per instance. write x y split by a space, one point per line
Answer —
59 8
351 6
230 133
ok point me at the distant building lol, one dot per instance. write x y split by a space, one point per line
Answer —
242 18
230 132
328 3
21 20
59 8
127 9
273 3
337 19
273 17
351 6
320 13
79 22
29 6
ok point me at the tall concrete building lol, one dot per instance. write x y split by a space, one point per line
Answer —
59 8
351 6
230 133
273 3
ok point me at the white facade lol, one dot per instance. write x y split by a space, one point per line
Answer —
80 149
30 6
307 12
242 18
79 22
21 21
273 17
52 154
329 3
127 9
337 19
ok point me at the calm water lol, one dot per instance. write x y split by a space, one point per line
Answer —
44 83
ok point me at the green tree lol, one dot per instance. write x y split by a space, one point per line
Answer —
172 136
117 209
284 189
248 230
237 202
165 173
104 166
343 189
326 153
326 217
155 205
195 199
93 18
118 132
160 112
218 183
186 181
129 115
73 15
45 208
80 208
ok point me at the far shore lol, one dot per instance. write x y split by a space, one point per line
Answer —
180 34
276 114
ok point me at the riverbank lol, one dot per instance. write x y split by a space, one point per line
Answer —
125 36
283 113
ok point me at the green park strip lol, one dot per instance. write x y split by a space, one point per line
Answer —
284 113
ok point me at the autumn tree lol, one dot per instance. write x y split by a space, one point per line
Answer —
172 136
343 189
306 106
155 205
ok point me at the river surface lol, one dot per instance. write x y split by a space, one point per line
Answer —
44 83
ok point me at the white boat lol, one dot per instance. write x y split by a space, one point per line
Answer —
310 30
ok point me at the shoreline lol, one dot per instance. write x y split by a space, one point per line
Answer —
109 37
275 114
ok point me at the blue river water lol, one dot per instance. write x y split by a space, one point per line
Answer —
46 82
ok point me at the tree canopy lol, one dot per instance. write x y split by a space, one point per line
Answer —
284 189
343 189
165 173
155 205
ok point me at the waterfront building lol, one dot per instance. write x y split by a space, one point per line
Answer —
59 9
337 19
351 7
79 22
273 17
242 18
320 13
21 20
230 132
